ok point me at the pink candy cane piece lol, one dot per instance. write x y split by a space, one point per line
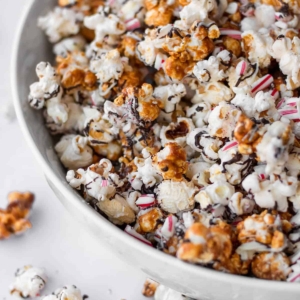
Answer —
275 93
295 278
230 145
280 103
170 221
133 24
262 176
104 183
241 68
285 112
262 83
235 34
145 201
129 230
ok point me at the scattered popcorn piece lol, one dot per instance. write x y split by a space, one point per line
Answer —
29 281
68 292
13 220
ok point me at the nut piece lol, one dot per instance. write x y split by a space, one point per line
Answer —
274 266
205 245
150 287
117 210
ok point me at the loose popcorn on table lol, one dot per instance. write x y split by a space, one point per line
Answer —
29 282
14 219
180 123
68 292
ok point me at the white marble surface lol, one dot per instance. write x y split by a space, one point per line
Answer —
56 242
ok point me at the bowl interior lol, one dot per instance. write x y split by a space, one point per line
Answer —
31 48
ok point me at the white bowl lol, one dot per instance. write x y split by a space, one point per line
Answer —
197 282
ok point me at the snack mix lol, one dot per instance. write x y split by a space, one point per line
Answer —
29 281
180 122
14 219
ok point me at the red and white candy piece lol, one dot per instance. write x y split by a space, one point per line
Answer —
262 83
235 34
262 176
241 68
230 145
280 103
168 229
133 24
275 94
129 230
145 201
104 183
160 61
290 113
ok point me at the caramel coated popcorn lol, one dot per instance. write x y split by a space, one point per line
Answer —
14 219
179 121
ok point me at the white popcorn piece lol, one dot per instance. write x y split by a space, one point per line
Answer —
174 196
74 152
68 45
60 23
68 292
47 88
104 24
222 120
197 10
260 46
273 149
219 192
29 281
177 132
169 95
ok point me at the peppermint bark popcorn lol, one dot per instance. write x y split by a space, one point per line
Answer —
179 122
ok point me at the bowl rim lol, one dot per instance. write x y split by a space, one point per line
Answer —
149 252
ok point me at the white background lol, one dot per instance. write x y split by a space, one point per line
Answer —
56 242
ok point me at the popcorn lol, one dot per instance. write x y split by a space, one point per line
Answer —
196 10
182 120
47 88
159 13
69 45
150 287
174 196
176 132
171 162
217 193
273 266
148 219
265 229
257 46
74 152
274 146
28 283
204 245
70 292
104 24
169 95
14 219
222 120
60 22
